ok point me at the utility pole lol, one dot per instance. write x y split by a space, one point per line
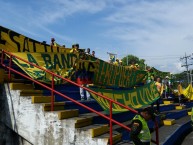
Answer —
186 64
191 77
127 56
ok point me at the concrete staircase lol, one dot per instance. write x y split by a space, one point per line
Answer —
26 110
31 113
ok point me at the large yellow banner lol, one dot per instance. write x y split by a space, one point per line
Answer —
64 64
188 92
15 42
59 63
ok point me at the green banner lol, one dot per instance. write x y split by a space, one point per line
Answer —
160 73
65 63
117 76
135 98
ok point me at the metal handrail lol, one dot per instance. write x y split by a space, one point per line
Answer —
111 120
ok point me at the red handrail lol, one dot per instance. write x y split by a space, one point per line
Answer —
111 120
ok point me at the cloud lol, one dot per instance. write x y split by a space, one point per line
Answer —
61 9
154 28
179 66
144 28
33 16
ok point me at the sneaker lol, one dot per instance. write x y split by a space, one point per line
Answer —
88 99
82 99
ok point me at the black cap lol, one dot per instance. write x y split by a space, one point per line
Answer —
150 112
77 45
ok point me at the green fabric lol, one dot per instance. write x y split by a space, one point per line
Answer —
135 98
145 134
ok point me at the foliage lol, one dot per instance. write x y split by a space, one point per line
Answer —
183 78
129 59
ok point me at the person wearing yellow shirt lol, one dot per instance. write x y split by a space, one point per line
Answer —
116 62
159 88
132 66
158 84
75 48
180 93
136 66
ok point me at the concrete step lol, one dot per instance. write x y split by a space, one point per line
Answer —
92 104
71 105
64 114
180 107
57 106
41 99
83 121
169 121
168 102
116 137
95 129
166 132
31 93
21 86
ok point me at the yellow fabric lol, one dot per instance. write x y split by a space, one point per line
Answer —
116 63
73 50
188 92
159 86
55 44
180 91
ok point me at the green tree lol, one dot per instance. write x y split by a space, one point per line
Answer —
182 77
129 59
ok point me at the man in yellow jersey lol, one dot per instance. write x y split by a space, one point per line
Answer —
140 133
159 88
116 62
180 91
75 48
136 66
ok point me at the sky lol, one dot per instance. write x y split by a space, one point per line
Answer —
159 31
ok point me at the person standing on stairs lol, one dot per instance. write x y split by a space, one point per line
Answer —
159 88
180 91
140 133
83 77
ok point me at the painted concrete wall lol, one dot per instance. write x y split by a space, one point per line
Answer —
39 127
9 137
